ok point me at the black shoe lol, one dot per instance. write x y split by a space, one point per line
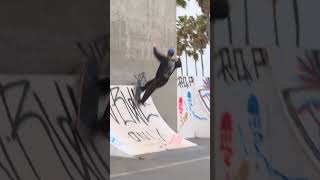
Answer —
140 103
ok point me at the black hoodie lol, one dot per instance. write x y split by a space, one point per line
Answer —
167 66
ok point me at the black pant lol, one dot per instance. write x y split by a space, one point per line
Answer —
103 125
151 86
89 111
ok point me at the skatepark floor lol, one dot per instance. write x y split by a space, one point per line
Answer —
182 164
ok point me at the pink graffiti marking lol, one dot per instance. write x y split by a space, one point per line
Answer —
180 105
226 140
175 140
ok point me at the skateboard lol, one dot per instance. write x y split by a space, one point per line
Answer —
137 91
88 96
140 78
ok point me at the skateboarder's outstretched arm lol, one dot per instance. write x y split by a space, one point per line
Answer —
159 56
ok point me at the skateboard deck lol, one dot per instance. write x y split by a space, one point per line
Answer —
140 79
137 93
88 94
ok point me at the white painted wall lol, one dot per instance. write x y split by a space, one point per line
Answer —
275 146
193 106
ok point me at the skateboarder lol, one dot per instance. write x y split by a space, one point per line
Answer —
168 64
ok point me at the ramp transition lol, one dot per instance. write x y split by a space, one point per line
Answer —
136 130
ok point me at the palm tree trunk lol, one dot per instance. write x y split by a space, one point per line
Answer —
186 63
208 27
195 65
181 68
202 63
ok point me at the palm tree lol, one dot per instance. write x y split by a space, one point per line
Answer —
194 44
180 49
183 31
200 38
181 3
203 22
191 49
205 8
192 38
194 54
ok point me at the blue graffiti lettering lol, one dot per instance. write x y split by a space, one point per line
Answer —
254 121
189 97
241 139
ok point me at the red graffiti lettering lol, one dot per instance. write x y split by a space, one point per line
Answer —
226 138
175 139
180 105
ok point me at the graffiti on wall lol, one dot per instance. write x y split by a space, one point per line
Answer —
193 104
226 140
308 68
115 140
305 116
26 111
182 113
299 91
247 35
204 94
241 64
140 127
191 111
121 106
302 102
185 81
255 126
251 150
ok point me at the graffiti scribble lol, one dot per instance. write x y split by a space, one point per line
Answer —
256 130
308 69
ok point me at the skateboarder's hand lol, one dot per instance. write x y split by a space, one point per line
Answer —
154 45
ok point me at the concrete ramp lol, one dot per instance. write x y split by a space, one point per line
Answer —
137 130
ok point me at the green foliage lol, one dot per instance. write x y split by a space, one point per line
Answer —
192 35
205 6
182 3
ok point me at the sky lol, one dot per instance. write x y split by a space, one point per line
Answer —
193 9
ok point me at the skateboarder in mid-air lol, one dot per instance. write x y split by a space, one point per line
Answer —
168 64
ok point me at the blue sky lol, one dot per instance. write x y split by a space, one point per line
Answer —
193 9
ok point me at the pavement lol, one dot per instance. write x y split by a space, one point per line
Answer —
183 164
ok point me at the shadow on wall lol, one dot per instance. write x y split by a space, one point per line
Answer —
41 37
220 10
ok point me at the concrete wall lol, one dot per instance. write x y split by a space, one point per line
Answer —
40 37
134 27
265 113
36 140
